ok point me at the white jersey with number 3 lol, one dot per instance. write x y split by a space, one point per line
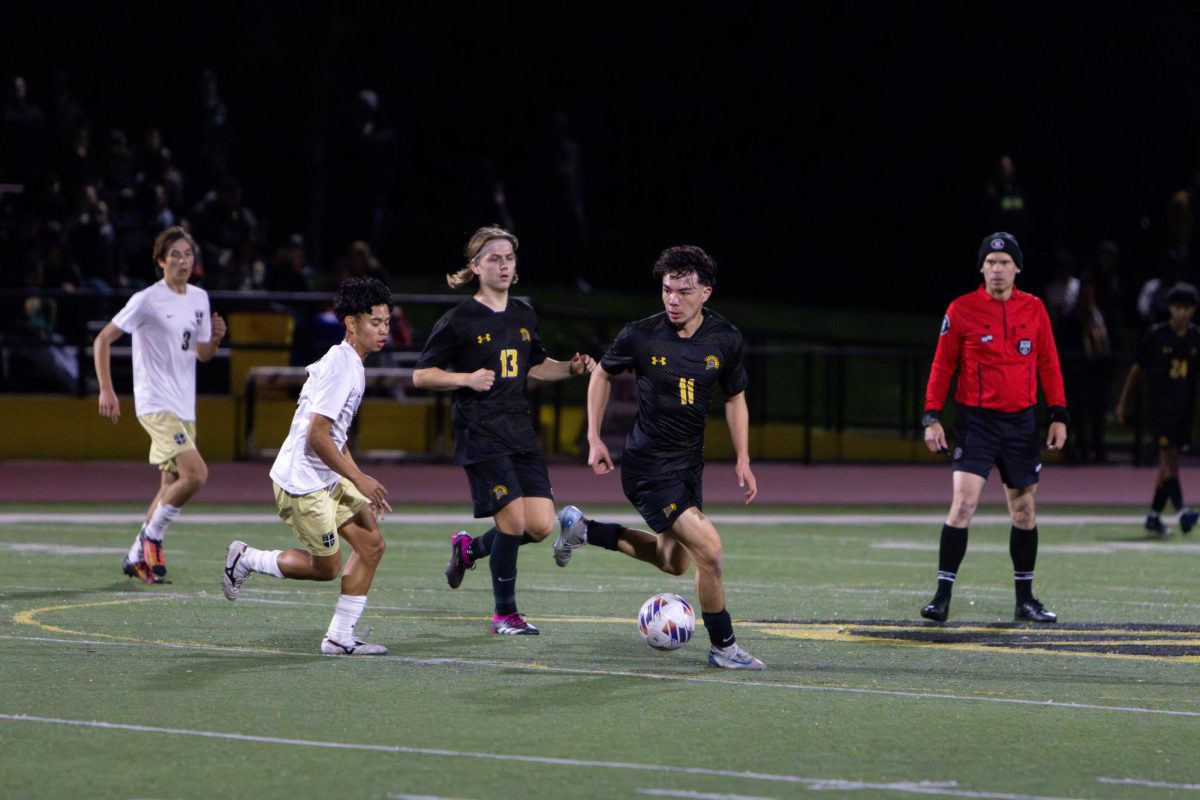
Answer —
166 328
334 390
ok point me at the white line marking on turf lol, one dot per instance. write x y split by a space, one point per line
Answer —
421 797
63 549
1098 548
247 518
1150 784
700 795
917 788
654 676
946 789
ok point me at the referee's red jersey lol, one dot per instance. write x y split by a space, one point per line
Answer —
1001 350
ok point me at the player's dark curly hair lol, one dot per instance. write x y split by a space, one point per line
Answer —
359 295
684 259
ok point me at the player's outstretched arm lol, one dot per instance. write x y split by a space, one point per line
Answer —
599 389
436 379
110 406
737 417
551 370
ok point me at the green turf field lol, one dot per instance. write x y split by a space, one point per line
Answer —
112 689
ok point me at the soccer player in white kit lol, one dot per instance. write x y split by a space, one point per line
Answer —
320 492
172 327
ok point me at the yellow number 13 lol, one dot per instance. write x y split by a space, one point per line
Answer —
508 363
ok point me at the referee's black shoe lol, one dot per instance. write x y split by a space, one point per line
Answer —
937 609
1032 610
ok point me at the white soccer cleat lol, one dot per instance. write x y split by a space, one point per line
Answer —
355 648
572 534
733 657
236 571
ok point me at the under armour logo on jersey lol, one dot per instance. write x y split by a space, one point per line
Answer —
483 337
656 361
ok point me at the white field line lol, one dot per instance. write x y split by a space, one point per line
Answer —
1149 784
815 783
400 518
945 789
539 667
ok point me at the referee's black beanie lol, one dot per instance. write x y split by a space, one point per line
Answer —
1001 242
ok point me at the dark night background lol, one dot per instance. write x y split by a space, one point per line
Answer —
837 152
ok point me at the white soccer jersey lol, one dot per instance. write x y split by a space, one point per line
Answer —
166 328
334 390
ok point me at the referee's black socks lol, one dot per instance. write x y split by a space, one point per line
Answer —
950 555
1023 546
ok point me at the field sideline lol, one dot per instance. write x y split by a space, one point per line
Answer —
114 689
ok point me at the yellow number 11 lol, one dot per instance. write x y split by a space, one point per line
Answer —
687 391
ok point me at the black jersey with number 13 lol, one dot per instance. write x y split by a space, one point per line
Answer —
675 382
470 337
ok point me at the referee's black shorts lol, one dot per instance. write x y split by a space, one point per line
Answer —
1006 440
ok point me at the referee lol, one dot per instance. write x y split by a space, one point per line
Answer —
998 340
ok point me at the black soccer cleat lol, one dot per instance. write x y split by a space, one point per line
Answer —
1032 610
937 609
1155 525
1187 520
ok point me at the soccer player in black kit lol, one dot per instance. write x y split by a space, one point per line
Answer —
680 357
1169 357
484 349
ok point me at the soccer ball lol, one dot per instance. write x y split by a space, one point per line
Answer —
666 621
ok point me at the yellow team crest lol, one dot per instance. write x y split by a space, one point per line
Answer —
525 337
669 510
658 361
483 337
499 490
712 362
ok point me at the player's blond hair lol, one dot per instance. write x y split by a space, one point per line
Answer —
479 240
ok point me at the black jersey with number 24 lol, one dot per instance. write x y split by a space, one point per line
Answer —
675 381
1170 362
470 337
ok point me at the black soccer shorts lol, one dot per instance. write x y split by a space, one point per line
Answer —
1007 441
498 481
1173 431
660 498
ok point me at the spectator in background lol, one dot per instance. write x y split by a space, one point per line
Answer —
231 234
363 167
1004 205
22 134
1108 285
1062 293
93 241
1087 345
1152 299
216 131
1183 232
289 270
360 262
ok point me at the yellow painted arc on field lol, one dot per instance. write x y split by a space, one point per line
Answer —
846 633
817 631
30 618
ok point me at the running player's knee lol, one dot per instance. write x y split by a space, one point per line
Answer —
539 529
326 569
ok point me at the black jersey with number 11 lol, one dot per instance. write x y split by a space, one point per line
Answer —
470 337
676 377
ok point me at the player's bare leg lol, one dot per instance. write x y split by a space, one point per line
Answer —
693 532
363 536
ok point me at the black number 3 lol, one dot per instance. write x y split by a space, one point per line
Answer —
187 339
